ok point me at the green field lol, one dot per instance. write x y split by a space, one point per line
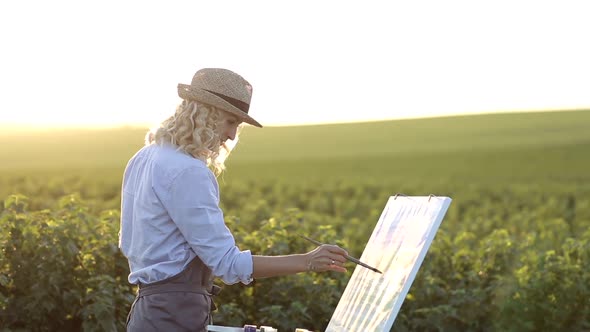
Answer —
511 254
494 143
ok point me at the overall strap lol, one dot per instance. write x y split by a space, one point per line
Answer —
168 288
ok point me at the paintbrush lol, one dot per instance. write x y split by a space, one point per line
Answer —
350 258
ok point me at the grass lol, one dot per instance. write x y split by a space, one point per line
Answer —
551 146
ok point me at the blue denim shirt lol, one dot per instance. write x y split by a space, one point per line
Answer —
170 214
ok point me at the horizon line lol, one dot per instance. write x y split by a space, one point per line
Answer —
12 127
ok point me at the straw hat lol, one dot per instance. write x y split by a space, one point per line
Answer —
221 88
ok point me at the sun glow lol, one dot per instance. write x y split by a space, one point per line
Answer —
65 67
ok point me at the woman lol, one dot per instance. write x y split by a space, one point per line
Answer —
172 229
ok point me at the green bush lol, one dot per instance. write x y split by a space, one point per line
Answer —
61 269
515 261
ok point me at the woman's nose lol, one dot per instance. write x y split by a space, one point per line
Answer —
231 133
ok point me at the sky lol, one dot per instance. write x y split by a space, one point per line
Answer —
118 62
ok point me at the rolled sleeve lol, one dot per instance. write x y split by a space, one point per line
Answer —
192 201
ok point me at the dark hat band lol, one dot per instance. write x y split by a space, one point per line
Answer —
243 106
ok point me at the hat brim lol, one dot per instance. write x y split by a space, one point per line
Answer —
191 93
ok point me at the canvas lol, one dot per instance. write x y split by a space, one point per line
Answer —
397 247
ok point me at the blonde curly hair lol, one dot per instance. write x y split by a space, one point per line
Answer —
193 129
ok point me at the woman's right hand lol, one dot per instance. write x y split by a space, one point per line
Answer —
327 257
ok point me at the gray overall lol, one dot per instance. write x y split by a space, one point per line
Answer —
180 303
